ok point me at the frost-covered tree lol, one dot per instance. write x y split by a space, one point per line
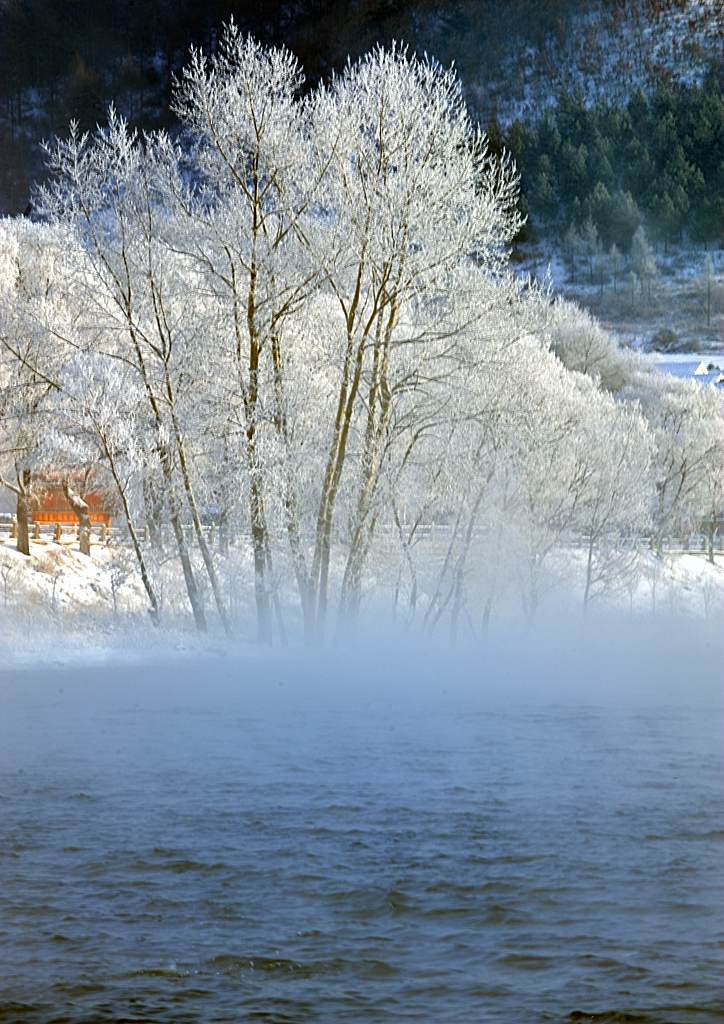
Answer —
713 491
245 222
582 345
134 295
686 425
643 261
295 318
31 283
100 428
413 197
614 513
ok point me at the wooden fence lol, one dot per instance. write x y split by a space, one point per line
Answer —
115 536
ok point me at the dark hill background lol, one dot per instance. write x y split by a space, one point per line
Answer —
63 59
613 109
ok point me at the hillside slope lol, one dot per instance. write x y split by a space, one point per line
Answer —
59 62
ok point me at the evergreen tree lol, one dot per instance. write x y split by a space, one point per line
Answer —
544 196
624 219
665 217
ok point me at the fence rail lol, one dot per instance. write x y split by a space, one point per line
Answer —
116 536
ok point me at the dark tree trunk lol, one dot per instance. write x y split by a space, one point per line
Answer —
261 591
224 532
23 518
192 588
153 501
23 512
23 493
710 534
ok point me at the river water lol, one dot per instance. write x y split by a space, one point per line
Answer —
219 843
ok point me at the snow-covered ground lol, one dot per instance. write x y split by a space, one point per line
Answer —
676 306
702 367
58 606
56 578
679 585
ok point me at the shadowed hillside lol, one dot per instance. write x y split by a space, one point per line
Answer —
63 60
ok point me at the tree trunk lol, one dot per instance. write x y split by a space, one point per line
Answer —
153 503
330 485
291 501
224 532
23 512
23 520
589 575
192 589
166 463
347 398
154 610
379 412
258 540
193 508
22 492
306 598
351 597
80 509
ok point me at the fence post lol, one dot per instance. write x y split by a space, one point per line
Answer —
58 533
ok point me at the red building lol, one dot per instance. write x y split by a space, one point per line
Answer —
52 506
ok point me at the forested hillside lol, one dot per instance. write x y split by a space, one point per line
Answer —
608 168
63 60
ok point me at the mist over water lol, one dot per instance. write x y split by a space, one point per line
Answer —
529 830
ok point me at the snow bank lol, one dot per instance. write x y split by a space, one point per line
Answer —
57 608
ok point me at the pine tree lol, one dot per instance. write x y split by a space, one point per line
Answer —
624 219
665 217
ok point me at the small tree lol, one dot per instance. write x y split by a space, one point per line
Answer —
708 283
613 512
121 570
616 263
643 260
8 575
685 420
633 281
591 244
571 249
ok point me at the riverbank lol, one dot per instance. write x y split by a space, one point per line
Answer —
59 607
